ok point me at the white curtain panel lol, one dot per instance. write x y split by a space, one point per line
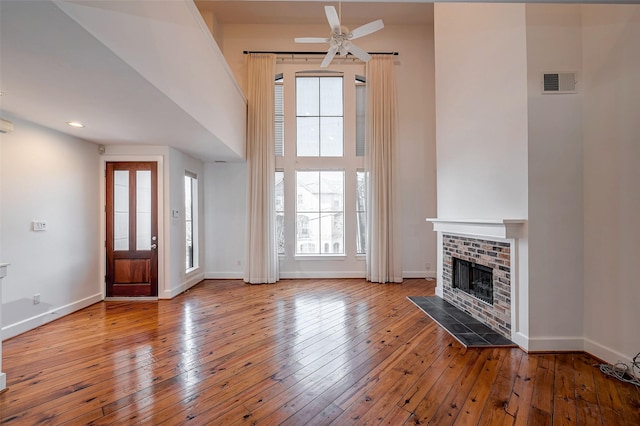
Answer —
384 261
261 258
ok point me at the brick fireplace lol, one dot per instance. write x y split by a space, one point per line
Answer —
492 255
489 246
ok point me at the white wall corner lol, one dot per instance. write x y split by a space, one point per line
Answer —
605 353
46 317
192 280
521 340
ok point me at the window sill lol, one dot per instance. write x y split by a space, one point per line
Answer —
191 270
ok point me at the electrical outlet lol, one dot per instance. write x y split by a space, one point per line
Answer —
39 225
36 299
428 266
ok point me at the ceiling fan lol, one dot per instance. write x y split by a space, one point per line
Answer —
340 38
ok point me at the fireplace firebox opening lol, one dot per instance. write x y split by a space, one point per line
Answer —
474 279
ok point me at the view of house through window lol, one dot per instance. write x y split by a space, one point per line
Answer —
320 212
191 219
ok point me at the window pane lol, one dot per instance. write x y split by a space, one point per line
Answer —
331 96
280 232
360 191
188 218
121 210
361 242
320 212
360 118
307 92
307 233
332 187
143 209
331 226
279 194
307 191
360 212
279 190
331 136
308 144
187 198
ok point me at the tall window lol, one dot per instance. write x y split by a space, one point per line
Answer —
318 215
320 212
191 219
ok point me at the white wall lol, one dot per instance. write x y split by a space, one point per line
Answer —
481 110
611 61
414 72
554 43
52 177
179 280
482 125
225 219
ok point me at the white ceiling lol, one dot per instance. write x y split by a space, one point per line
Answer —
312 12
53 71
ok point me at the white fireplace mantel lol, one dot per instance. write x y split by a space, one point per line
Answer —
488 228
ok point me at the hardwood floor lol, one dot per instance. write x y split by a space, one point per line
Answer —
296 352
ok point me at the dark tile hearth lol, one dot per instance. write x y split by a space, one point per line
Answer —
466 329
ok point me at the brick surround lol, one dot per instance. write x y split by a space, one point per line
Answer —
493 254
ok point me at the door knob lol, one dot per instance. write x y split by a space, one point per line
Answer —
154 246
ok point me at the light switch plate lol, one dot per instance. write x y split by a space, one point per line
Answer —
39 225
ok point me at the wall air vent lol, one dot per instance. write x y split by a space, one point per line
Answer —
562 82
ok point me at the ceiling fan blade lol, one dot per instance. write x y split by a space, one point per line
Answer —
332 17
366 29
329 57
359 53
311 39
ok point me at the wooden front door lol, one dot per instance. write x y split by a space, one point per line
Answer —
132 229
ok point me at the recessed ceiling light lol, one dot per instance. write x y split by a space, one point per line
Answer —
75 124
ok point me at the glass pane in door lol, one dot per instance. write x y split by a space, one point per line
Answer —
143 209
121 210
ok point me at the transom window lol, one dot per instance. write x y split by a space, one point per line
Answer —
319 116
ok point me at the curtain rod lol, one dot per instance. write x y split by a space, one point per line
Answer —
246 52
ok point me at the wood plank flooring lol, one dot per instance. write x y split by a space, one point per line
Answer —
293 353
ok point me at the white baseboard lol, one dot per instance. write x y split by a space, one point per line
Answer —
418 274
553 344
3 381
321 274
223 275
20 327
605 353
186 285
314 274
